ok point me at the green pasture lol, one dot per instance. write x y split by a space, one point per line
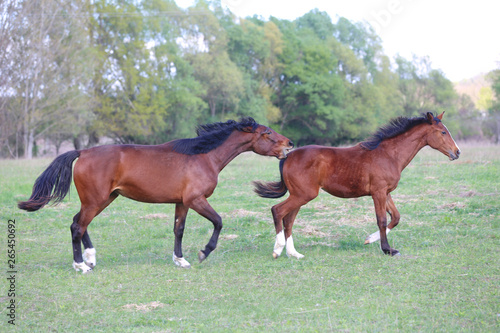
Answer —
446 280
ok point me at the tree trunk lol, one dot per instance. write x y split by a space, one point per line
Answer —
28 143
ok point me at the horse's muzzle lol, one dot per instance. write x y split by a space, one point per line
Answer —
454 155
284 153
286 150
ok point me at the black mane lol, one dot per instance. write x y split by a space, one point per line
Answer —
395 127
211 136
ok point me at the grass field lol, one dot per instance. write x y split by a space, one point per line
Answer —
447 279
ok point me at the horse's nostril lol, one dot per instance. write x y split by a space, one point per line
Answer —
458 152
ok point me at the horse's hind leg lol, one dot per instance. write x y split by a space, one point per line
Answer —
288 224
284 214
78 229
89 252
278 215
180 221
86 261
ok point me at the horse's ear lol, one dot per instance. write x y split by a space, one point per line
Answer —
430 117
440 117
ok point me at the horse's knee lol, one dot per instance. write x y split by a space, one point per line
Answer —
382 221
179 229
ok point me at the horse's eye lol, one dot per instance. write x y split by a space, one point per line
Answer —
443 132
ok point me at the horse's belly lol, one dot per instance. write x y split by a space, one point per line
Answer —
344 192
150 195
347 187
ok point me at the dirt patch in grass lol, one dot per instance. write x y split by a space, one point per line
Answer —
310 230
143 307
156 216
241 213
228 237
452 205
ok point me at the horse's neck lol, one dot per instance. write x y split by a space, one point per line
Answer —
404 147
225 153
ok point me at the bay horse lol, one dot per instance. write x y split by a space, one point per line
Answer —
183 172
370 168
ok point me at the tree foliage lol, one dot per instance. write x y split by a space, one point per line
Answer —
147 71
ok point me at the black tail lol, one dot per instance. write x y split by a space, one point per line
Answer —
272 189
56 177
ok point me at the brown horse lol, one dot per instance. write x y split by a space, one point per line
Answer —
372 167
183 172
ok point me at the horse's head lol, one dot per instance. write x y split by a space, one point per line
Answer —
440 138
269 143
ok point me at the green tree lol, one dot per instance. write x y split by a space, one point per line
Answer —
253 45
335 85
310 93
221 80
423 88
145 86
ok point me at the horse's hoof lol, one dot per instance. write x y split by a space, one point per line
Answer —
181 262
295 255
201 256
275 255
392 252
82 266
89 257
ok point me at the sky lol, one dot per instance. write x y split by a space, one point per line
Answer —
461 38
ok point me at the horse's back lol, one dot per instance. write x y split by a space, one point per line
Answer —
343 172
143 173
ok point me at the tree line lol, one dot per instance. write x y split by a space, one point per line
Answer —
147 71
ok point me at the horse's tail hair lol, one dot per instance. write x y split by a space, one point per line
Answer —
53 184
272 189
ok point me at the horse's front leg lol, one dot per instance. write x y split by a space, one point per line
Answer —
180 221
395 216
202 207
380 202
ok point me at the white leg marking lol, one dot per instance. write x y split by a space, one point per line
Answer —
279 245
81 266
375 236
290 249
181 261
89 257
